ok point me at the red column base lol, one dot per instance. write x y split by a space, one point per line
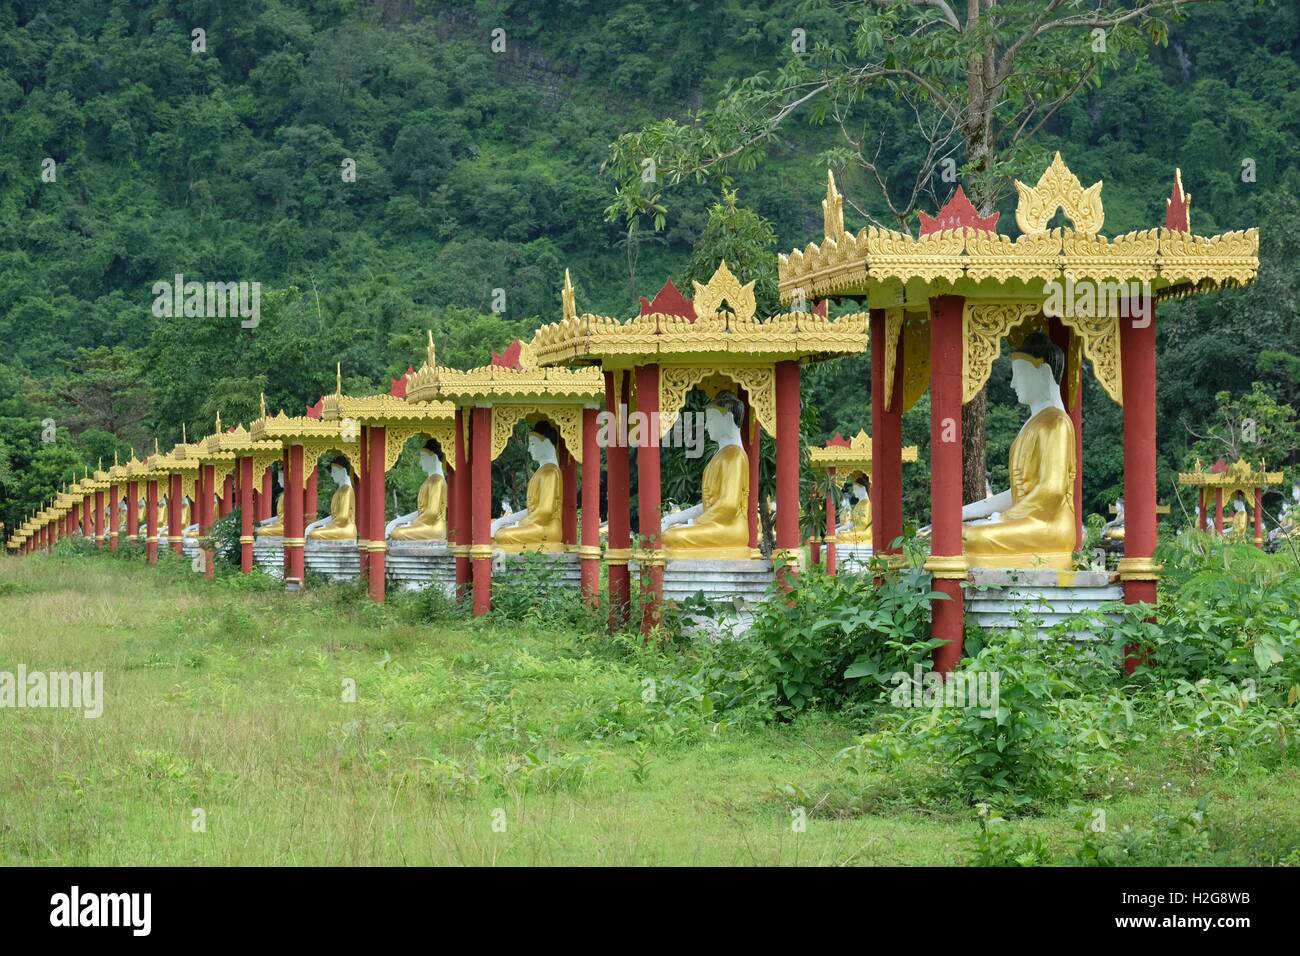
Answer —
947 621
482 586
376 565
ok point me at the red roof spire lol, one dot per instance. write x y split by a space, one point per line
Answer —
668 301
839 441
510 357
957 213
398 388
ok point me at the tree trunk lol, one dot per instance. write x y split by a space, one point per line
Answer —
974 471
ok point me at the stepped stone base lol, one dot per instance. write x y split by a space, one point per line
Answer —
852 558
999 598
562 567
416 565
337 560
268 554
732 588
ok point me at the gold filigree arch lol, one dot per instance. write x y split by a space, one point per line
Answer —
916 358
983 326
1100 338
396 437
1058 188
312 451
725 287
567 420
262 462
758 381
893 329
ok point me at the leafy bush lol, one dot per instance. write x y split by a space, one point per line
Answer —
533 592
827 642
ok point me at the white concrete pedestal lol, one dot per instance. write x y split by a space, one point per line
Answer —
268 554
416 565
732 588
999 598
852 558
337 560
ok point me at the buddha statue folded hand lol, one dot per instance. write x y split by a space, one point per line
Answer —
1032 524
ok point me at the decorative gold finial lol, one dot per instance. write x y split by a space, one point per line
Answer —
262 404
338 379
218 423
725 287
832 210
156 449
1058 188
115 461
568 304
184 439
430 353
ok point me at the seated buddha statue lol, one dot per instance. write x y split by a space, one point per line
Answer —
273 527
341 523
857 530
718 527
1238 525
540 525
1032 524
1289 525
1113 530
428 522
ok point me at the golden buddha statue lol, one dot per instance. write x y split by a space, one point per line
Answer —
1033 523
540 526
857 530
718 527
1238 524
274 527
1288 526
341 523
428 522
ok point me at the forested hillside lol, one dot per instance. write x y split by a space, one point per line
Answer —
127 156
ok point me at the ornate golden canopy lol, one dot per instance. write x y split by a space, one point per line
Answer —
848 456
1005 281
515 388
1240 476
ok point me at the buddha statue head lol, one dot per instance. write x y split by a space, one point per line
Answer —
723 418
858 489
542 439
339 472
431 458
1037 365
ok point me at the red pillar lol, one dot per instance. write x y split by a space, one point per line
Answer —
1259 517
132 511
375 507
1204 520
589 553
74 518
886 442
481 508
227 504
112 517
87 517
175 505
207 517
1218 511
831 521
99 518
618 504
1138 370
294 497
753 436
569 509
787 463
310 500
246 515
461 503
264 500
947 564
151 520
362 491
649 517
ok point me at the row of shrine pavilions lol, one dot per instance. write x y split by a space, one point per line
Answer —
933 311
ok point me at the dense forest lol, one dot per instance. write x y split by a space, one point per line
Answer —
386 167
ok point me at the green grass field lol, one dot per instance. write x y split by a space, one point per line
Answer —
467 743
